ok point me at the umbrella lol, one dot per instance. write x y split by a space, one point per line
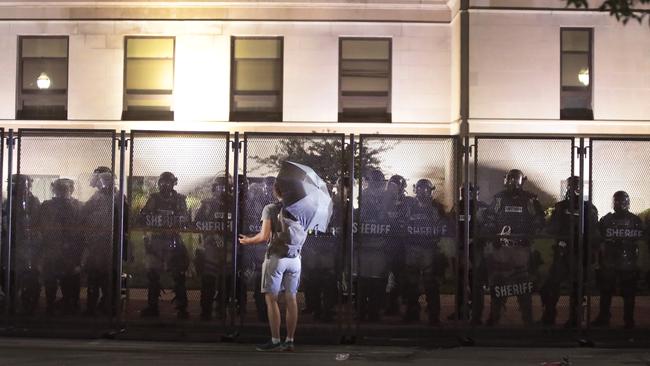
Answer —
305 196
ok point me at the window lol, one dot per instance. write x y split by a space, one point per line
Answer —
42 90
364 80
576 74
256 79
148 78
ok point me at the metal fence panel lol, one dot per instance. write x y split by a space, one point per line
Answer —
619 277
405 233
524 246
322 255
63 227
179 235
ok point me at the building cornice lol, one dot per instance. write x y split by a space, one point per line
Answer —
425 11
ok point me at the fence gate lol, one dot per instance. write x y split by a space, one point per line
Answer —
63 232
405 243
179 253
323 280
619 275
524 249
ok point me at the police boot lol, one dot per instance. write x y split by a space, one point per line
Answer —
153 293
628 311
181 295
208 292
602 320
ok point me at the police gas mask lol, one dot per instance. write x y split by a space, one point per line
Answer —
219 187
166 183
374 180
514 180
423 189
621 201
63 188
22 185
396 186
573 188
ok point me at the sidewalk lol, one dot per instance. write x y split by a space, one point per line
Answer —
28 351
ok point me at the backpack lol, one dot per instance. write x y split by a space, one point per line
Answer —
288 242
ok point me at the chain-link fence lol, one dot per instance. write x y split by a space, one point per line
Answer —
524 250
179 250
63 232
405 242
619 276
323 279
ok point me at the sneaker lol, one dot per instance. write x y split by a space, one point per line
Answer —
288 347
270 347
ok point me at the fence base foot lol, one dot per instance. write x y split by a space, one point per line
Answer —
230 337
466 341
585 342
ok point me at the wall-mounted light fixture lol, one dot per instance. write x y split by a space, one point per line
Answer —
43 81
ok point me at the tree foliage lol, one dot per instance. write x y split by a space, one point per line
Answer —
323 154
623 10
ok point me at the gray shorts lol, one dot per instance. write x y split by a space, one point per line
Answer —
280 274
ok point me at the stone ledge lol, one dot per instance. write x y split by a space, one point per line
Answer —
380 10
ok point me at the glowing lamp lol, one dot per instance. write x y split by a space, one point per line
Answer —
583 77
43 81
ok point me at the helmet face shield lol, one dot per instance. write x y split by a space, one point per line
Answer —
514 180
396 185
573 186
423 189
166 182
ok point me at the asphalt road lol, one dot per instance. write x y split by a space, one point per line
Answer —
26 351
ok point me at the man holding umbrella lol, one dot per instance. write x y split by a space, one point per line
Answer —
304 204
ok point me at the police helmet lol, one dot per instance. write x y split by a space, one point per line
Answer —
621 201
514 179
399 181
375 175
168 177
62 187
22 181
102 177
219 185
425 186
573 185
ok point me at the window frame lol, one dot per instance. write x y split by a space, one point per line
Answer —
385 117
243 116
143 113
590 56
19 112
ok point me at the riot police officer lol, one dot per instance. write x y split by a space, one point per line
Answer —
564 226
424 262
372 251
62 248
511 220
253 201
213 257
396 212
477 269
320 258
100 230
164 215
620 232
27 243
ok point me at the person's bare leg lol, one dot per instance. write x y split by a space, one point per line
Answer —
273 311
292 314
